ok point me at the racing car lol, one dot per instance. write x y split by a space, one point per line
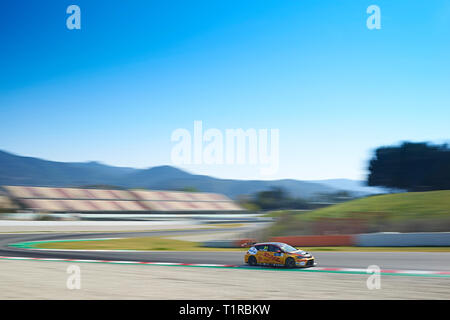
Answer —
278 254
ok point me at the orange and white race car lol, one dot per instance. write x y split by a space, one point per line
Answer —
278 254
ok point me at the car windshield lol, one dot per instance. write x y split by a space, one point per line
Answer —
288 248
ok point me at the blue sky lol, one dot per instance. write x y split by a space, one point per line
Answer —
115 90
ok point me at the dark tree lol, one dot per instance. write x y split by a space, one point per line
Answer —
411 166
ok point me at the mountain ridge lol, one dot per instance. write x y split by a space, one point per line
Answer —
30 171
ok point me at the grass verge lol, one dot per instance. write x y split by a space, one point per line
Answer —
142 243
162 244
426 205
400 212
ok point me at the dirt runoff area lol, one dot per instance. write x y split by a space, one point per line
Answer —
49 280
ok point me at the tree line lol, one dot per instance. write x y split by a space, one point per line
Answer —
411 167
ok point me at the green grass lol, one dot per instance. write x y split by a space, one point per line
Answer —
280 213
142 243
400 212
433 204
161 244
225 225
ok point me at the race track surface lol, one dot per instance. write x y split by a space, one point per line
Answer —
432 261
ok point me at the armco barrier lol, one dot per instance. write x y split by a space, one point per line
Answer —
219 244
382 239
393 239
317 241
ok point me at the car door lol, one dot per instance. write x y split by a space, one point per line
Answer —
260 253
276 256
263 255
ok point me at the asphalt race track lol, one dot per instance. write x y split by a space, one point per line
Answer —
432 261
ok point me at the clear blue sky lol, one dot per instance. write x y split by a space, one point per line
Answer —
115 90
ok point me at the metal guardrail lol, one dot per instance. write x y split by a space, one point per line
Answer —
393 239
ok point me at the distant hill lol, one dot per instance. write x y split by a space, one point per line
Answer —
27 171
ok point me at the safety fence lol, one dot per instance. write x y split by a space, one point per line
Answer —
381 239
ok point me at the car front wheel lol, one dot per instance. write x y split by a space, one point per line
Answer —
290 263
252 261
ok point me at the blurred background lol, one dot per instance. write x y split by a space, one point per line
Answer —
88 116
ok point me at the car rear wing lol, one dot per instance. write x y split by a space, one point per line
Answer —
248 243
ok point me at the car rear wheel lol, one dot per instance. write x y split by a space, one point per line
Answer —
252 261
290 263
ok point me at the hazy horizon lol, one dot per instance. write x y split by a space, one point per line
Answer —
174 166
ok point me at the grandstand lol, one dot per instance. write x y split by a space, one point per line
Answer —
6 203
75 200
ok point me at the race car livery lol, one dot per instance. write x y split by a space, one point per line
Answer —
278 254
